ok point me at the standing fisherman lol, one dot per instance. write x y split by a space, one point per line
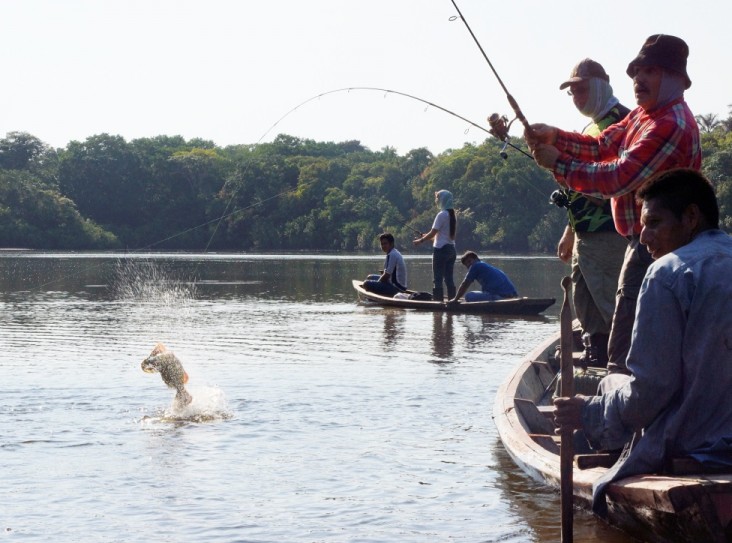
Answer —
590 240
443 247
660 134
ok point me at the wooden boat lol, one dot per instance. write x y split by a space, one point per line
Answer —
687 506
507 306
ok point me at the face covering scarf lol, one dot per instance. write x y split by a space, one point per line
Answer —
672 87
600 99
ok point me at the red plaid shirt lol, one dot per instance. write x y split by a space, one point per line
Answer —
618 161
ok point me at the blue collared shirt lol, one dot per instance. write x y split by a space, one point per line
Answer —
681 363
491 279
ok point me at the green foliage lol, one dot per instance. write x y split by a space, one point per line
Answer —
291 194
717 162
32 216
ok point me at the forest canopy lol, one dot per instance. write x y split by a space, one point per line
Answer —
168 193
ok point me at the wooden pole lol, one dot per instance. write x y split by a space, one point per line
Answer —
566 454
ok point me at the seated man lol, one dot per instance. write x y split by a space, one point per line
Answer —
393 278
680 356
494 284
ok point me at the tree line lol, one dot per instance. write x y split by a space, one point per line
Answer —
168 193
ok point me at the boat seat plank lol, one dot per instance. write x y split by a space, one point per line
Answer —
536 422
548 442
669 494
597 460
544 372
535 382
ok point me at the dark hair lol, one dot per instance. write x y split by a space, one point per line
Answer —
386 236
677 189
468 254
453 223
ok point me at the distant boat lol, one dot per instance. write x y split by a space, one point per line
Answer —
506 306
688 506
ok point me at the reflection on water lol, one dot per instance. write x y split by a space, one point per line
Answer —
314 418
443 336
393 327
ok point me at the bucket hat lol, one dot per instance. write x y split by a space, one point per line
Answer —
663 50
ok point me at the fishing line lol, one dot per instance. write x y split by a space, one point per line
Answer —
386 92
500 131
348 90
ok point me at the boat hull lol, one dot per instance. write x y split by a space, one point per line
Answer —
508 306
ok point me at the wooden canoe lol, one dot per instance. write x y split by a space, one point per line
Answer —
657 508
507 306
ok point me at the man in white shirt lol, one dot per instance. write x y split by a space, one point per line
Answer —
393 278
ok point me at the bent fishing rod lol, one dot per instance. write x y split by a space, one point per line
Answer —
499 124
227 212
413 97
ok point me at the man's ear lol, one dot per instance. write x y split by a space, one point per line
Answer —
692 219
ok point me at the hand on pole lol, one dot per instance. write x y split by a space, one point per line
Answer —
568 412
540 133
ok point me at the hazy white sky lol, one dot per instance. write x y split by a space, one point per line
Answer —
227 70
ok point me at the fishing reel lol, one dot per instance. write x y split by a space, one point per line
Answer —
500 125
559 198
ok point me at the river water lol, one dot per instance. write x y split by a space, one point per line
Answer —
314 419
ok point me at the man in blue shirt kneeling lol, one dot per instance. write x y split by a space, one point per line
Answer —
494 284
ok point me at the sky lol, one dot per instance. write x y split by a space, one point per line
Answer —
242 72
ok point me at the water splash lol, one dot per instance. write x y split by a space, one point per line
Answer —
144 281
209 405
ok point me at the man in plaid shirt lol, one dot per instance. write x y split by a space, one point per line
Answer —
660 134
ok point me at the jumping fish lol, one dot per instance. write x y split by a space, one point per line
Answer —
164 362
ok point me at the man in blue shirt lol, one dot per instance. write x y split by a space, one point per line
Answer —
680 356
494 284
393 278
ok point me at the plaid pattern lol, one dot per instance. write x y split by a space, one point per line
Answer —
618 161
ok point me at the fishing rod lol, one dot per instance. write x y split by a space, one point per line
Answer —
226 213
385 91
499 124
404 223
429 103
